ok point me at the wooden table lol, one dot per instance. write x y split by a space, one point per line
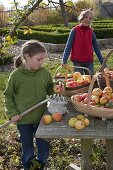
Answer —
97 129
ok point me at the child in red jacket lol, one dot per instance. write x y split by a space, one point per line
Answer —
81 42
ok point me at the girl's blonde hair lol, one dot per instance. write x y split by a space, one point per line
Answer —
84 13
31 47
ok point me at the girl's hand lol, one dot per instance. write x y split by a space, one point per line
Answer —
16 118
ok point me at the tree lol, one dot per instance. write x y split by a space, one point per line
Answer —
64 14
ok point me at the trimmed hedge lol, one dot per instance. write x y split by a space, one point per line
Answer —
58 34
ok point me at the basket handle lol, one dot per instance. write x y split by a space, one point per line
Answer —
71 68
92 84
105 60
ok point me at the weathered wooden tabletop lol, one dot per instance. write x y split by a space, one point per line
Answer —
97 128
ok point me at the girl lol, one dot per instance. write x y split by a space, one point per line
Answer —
81 42
29 84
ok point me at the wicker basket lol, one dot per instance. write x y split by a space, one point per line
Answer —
95 111
70 70
101 79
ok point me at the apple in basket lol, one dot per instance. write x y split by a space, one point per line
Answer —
76 97
83 96
72 84
85 80
69 80
107 95
108 89
76 75
103 100
97 92
95 99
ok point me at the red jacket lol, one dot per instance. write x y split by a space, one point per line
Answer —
82 49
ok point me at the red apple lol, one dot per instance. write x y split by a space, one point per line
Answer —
69 80
83 96
57 116
77 98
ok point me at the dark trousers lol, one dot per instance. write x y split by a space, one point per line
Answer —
27 133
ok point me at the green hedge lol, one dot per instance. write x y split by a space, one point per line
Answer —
58 34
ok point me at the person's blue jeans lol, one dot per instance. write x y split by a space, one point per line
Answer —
27 133
88 65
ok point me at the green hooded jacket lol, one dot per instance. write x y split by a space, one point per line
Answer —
26 88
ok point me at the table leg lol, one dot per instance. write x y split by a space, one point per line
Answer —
109 154
86 151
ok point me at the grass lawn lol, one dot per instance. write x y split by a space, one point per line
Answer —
63 151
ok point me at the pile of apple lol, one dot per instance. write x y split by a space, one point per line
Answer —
47 119
77 80
98 98
79 122
109 73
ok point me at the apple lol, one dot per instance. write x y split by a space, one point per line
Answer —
92 103
85 100
83 96
72 122
59 88
77 98
47 119
108 89
86 121
85 80
69 80
57 116
103 100
76 75
95 99
79 125
107 95
97 92
112 96
80 117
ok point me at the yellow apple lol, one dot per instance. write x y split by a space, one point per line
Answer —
79 125
86 121
80 117
72 122
76 75
103 100
108 89
95 99
97 92
107 94
47 119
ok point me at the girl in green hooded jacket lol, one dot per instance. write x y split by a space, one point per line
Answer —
29 84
